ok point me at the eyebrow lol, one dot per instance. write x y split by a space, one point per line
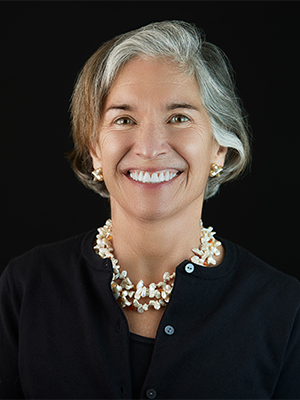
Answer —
169 107
124 107
174 106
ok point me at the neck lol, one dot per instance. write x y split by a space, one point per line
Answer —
148 249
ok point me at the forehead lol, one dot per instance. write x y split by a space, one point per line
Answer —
156 79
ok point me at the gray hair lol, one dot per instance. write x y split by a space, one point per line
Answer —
184 44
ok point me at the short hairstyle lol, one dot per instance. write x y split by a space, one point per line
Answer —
184 44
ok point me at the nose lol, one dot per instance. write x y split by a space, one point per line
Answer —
151 142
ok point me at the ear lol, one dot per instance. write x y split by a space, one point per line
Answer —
220 155
96 155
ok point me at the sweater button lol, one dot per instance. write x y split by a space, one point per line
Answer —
169 330
151 393
189 268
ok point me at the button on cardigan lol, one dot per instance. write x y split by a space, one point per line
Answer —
229 332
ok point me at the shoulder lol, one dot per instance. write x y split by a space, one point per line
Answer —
249 261
261 278
59 257
57 250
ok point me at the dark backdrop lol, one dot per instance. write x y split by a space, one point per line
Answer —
43 47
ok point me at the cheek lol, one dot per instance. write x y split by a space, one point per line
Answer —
196 149
113 147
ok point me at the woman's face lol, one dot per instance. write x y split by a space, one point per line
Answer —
155 142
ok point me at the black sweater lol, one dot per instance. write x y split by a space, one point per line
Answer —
229 332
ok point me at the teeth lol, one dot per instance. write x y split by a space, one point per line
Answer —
146 178
154 178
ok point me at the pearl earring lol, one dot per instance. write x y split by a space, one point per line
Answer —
215 170
98 175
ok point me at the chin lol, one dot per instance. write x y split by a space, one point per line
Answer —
148 210
150 214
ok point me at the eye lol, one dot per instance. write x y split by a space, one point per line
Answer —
123 121
179 119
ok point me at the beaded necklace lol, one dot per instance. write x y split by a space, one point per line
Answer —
127 294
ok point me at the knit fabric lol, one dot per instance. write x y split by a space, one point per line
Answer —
229 332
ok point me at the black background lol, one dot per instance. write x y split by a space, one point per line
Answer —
44 46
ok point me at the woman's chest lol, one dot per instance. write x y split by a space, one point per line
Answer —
145 324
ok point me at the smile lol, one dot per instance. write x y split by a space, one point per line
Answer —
156 177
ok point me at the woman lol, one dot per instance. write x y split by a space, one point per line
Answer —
151 305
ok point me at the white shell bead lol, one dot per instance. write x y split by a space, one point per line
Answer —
140 284
166 276
123 274
135 303
195 259
140 309
151 293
